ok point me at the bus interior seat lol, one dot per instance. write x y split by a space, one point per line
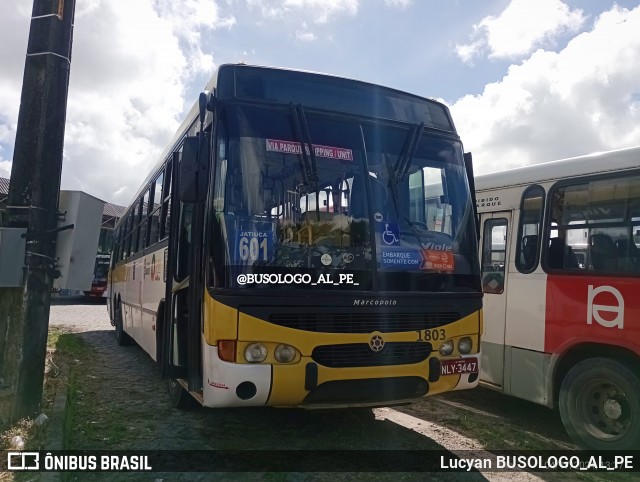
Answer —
529 247
628 254
555 257
560 255
604 253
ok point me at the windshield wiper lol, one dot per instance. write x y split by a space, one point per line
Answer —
308 164
393 187
400 171
409 149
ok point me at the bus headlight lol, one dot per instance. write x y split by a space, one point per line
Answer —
464 345
446 348
285 353
255 353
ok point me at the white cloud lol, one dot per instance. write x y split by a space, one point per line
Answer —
13 39
5 169
582 99
304 35
398 3
129 72
316 11
521 28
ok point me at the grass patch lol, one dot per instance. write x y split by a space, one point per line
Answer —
63 349
89 425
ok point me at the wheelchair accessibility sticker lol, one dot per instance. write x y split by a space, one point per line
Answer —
390 234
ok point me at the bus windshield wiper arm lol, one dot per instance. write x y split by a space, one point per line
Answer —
308 164
403 163
393 187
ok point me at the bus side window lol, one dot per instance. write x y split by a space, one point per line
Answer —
165 216
144 214
528 246
593 224
154 218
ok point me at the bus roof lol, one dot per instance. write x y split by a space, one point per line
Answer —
595 163
193 113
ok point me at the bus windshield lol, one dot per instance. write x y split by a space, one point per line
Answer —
385 203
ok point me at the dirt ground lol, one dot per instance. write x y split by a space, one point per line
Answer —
119 402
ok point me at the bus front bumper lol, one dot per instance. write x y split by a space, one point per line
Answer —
307 384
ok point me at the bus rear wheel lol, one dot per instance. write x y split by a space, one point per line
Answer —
122 337
600 405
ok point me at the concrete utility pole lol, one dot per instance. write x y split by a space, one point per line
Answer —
33 203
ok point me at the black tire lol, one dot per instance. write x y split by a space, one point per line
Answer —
122 337
600 405
160 336
179 397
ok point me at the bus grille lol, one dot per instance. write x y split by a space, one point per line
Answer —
368 390
360 355
363 322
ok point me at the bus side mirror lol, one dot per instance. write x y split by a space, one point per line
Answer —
206 103
194 169
468 164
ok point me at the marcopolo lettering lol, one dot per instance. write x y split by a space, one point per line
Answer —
388 302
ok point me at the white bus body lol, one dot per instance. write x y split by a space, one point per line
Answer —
560 254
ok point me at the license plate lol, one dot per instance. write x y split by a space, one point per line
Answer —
457 367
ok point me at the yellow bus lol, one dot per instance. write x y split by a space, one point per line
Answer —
305 240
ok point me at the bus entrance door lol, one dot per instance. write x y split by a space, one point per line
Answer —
494 255
181 356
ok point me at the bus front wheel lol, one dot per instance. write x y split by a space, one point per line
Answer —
178 396
600 405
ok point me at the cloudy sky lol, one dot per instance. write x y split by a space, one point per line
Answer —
527 80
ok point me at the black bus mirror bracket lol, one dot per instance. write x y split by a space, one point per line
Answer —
194 168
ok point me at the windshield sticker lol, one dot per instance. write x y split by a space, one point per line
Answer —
437 260
326 259
400 258
390 234
290 147
253 246
423 259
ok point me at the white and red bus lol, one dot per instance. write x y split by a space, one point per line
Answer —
560 254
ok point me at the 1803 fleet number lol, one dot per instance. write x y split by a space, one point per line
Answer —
437 334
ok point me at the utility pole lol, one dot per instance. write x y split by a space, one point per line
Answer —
32 203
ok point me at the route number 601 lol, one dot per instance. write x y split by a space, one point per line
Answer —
249 249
